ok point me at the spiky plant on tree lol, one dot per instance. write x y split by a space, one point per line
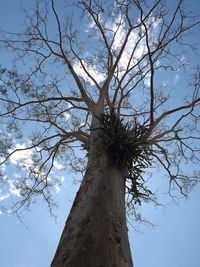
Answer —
128 150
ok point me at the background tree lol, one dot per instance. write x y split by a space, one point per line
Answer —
109 99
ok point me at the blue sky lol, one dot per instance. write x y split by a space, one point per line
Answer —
175 242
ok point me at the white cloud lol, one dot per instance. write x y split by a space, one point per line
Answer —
58 165
3 197
3 167
8 212
92 70
120 35
22 155
69 105
66 115
57 187
92 24
147 80
118 30
13 190
141 48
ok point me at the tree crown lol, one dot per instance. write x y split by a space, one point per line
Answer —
106 62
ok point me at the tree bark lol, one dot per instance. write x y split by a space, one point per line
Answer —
95 234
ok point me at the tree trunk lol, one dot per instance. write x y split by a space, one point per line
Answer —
95 234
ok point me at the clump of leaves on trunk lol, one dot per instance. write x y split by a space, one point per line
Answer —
127 149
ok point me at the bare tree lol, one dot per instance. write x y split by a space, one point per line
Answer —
96 82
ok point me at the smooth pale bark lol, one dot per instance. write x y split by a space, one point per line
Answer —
95 233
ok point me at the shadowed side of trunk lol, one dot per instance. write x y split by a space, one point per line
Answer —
95 233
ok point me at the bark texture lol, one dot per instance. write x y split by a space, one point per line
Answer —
95 234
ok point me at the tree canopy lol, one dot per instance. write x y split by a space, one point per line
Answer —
131 64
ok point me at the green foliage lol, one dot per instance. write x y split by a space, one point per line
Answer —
128 150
